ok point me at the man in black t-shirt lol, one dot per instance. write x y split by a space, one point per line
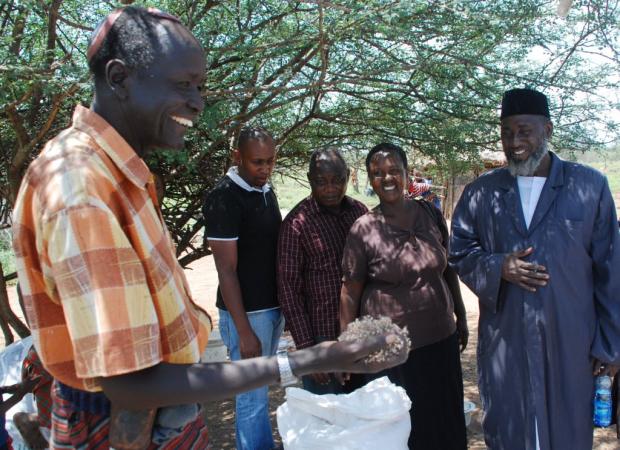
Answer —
242 224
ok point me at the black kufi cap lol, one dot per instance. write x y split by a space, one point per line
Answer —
524 101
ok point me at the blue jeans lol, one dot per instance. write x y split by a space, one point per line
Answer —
252 408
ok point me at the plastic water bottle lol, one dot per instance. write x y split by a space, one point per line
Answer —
602 401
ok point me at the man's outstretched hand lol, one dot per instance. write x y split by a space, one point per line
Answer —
346 356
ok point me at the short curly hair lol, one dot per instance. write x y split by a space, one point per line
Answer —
325 151
389 148
249 134
132 38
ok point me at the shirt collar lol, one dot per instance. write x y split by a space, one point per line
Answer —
113 144
233 174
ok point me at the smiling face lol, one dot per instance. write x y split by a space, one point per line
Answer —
328 180
388 176
524 139
255 161
164 100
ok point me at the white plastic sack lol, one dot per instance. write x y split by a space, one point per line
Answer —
374 416
11 359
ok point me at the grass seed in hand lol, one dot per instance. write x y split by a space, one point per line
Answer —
368 326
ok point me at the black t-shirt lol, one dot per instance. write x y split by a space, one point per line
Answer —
252 218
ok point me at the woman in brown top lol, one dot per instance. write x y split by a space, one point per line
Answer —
395 265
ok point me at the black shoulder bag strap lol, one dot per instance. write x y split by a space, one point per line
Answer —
436 215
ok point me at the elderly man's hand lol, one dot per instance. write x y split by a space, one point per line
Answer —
601 368
528 276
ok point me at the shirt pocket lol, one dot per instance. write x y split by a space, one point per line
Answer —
572 236
572 228
322 256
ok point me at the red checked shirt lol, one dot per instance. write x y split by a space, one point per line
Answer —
103 290
310 250
416 189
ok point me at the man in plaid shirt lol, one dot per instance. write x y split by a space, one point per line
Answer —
105 297
110 309
310 247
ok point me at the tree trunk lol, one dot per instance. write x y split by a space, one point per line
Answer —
7 316
18 31
4 300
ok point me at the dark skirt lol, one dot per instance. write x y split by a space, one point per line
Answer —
433 380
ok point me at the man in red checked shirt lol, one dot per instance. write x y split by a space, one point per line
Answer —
310 247
421 187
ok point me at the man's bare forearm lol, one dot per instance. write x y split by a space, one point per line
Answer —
174 384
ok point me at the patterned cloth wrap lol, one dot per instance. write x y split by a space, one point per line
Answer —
82 420
33 367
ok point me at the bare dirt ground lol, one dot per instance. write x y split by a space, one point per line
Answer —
220 416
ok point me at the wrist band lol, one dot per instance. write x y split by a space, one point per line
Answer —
287 377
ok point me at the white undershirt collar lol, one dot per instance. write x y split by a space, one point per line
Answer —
233 174
530 189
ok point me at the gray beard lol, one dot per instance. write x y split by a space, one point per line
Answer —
528 167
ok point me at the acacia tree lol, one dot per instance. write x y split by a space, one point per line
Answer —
426 74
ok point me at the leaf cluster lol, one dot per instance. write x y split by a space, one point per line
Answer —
426 74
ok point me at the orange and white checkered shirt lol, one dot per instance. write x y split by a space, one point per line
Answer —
103 290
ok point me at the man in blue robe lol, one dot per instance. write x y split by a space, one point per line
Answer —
538 243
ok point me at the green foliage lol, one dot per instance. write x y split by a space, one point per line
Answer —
608 162
426 74
6 252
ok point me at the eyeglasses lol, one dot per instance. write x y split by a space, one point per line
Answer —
105 26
